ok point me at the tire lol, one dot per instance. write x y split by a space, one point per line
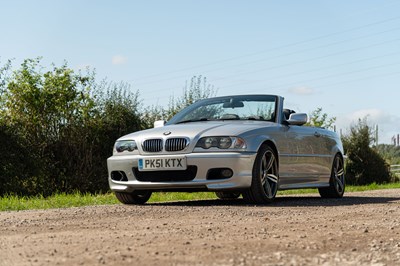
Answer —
227 195
265 177
136 197
337 181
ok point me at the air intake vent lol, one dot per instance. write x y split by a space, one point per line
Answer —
152 145
176 144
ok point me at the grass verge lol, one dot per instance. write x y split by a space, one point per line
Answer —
62 200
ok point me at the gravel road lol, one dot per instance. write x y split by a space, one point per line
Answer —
363 228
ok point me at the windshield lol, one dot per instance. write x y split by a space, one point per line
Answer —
246 107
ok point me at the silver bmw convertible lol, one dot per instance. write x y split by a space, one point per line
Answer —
248 145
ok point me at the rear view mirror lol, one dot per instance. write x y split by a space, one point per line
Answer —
233 104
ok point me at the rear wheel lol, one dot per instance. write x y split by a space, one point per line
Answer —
136 197
336 182
227 195
264 184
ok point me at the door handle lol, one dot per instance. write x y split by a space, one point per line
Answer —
317 134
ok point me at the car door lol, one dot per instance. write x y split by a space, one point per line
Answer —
323 152
300 158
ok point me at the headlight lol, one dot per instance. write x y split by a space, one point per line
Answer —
125 145
224 142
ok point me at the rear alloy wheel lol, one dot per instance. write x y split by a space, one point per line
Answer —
136 197
264 185
227 195
336 182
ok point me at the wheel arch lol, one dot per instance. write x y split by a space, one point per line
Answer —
338 150
343 157
273 147
258 192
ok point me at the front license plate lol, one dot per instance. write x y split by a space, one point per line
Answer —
160 164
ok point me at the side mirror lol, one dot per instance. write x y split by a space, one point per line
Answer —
298 119
159 123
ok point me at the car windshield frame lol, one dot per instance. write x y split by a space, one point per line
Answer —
225 102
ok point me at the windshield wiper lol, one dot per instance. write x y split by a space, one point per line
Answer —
193 120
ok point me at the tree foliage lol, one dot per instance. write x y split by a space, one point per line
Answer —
319 119
4 75
64 125
198 88
364 164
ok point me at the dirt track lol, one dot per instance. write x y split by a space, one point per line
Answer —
360 229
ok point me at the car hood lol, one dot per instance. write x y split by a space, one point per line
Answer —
195 130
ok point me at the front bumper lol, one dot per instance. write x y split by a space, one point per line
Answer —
240 163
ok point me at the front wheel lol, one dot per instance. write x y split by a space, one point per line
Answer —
336 182
265 176
135 197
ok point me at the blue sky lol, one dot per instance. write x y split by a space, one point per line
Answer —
343 55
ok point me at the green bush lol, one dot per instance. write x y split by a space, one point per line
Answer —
58 129
364 164
17 164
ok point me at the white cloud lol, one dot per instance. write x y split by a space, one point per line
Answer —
119 60
302 90
388 123
373 115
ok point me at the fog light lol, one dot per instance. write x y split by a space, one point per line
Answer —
227 173
219 173
119 176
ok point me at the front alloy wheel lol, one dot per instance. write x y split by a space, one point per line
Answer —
264 185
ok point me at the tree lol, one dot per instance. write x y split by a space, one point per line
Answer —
48 111
319 119
64 124
4 75
197 89
364 164
118 115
